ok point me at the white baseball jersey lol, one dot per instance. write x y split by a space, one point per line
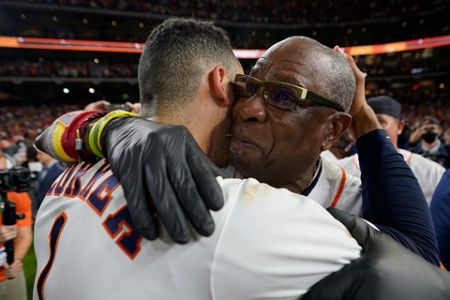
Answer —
330 155
427 172
334 188
268 244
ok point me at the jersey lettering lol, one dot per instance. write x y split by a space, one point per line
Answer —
74 186
100 172
129 240
102 195
98 196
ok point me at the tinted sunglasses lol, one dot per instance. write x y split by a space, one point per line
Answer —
280 94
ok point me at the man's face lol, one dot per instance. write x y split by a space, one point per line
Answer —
430 132
273 145
220 139
432 128
393 126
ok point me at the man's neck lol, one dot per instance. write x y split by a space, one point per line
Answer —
201 134
303 184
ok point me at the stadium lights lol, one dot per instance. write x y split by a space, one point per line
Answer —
129 47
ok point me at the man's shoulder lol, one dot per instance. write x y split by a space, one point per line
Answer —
416 159
250 193
338 187
268 227
339 170
350 164
252 189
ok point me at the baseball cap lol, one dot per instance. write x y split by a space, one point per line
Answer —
385 105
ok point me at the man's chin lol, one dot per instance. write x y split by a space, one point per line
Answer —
245 164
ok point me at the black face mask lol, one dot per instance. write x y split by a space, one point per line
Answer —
429 136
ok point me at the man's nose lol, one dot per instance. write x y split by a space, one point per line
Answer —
252 109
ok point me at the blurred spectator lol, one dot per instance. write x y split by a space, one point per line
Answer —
12 279
67 68
51 169
388 112
427 137
264 11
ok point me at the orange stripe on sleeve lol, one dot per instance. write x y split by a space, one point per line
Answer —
340 189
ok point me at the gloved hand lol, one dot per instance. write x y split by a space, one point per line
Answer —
163 173
386 270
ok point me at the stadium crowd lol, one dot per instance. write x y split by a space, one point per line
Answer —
263 11
67 68
396 64
417 79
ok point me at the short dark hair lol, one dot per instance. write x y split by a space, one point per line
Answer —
176 56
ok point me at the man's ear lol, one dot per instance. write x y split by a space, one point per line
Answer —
219 86
338 124
400 127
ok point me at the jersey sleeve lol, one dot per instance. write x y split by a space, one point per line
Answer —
392 197
275 244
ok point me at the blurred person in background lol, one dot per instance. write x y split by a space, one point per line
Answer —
389 113
51 169
12 278
344 147
440 212
429 144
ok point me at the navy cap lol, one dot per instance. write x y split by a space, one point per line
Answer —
385 105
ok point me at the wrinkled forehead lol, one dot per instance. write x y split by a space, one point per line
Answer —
284 65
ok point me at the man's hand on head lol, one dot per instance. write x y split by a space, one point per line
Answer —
364 119
165 176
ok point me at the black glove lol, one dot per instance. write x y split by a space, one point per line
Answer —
165 176
386 270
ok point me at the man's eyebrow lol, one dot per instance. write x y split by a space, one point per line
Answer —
284 78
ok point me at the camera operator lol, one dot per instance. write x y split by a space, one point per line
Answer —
12 279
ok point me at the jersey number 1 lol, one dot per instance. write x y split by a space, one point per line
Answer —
55 233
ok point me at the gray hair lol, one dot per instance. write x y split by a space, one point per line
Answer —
333 72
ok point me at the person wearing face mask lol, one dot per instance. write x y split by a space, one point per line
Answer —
430 145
